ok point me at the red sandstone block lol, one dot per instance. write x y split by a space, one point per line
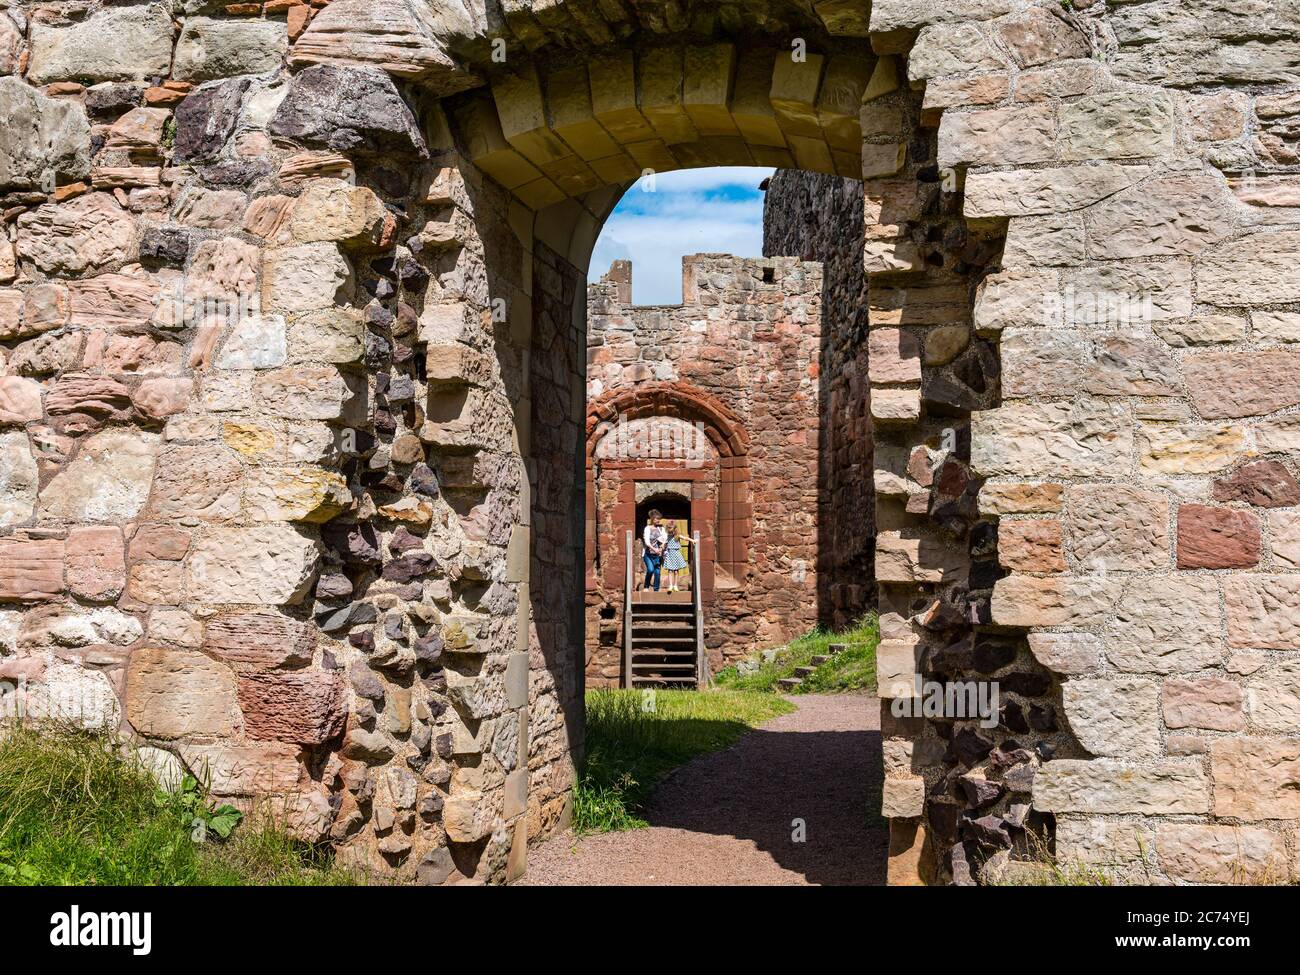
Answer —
31 570
1217 538
259 641
298 18
1031 545
305 707
1265 483
159 541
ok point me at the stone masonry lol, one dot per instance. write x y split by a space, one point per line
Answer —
819 217
292 397
714 401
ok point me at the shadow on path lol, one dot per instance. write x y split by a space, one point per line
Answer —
732 817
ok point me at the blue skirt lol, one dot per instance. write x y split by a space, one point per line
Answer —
673 561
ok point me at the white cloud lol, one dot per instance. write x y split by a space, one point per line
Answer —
712 178
717 210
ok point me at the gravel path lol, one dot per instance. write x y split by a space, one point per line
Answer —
727 818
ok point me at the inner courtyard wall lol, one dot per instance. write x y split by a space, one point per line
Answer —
818 217
746 341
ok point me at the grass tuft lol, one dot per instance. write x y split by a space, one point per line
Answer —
75 811
635 738
852 669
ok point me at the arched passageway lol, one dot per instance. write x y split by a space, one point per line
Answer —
567 142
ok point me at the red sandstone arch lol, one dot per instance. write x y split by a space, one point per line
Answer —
678 399
725 431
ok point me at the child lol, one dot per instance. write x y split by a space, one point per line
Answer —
673 561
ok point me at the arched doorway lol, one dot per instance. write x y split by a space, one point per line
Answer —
566 147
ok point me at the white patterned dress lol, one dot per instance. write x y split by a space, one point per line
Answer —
673 561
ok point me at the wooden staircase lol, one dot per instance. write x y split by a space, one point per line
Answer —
663 651
663 632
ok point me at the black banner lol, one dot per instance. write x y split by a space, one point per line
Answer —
265 925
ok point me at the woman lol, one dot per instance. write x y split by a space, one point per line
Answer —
652 540
673 561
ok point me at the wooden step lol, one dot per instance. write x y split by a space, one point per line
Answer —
664 634
675 672
679 676
649 597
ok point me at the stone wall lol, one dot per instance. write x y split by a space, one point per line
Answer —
1139 177
282 522
745 344
263 498
817 217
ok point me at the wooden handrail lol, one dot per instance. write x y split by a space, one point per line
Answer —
702 676
627 617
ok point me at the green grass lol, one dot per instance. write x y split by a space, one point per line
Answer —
852 669
74 811
635 738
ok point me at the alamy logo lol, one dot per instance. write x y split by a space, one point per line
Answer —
951 699
74 929
657 438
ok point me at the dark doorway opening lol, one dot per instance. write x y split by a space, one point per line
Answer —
671 507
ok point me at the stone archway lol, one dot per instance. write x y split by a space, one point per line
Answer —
342 566
923 263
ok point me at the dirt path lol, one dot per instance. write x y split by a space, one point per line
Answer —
727 818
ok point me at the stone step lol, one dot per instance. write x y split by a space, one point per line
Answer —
837 648
788 683
804 672
820 659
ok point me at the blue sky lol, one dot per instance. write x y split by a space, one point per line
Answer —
693 211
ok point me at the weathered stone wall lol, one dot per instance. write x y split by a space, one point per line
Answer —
1134 466
262 482
286 526
746 340
820 218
